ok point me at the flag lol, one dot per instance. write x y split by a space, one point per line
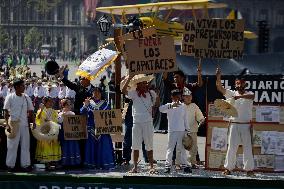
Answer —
90 8
95 64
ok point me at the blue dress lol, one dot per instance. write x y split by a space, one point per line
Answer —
99 151
70 150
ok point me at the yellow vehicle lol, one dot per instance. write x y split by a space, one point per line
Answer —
163 26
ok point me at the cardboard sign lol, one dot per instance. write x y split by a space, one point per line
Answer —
75 127
151 55
108 121
187 44
144 33
219 38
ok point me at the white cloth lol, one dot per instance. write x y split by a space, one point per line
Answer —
142 132
194 115
62 92
18 107
142 107
239 134
29 90
175 139
70 93
3 91
39 92
243 106
177 116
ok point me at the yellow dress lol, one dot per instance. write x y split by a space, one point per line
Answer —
47 151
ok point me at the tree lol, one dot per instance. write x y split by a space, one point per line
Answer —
4 38
32 38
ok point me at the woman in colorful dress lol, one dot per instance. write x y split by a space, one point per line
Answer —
99 149
48 152
69 148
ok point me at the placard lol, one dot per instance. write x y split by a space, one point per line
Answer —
268 114
187 44
75 127
219 38
216 159
143 33
108 121
151 55
219 139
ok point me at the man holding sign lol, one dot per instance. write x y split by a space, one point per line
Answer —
143 101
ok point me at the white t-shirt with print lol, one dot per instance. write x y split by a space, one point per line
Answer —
243 106
142 107
18 107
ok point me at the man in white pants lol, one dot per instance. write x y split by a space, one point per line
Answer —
177 127
240 126
137 90
17 107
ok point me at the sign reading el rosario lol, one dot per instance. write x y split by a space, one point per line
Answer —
219 38
151 55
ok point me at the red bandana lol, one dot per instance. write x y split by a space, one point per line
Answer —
141 93
180 86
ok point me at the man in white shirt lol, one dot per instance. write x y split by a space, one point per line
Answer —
143 101
240 126
3 94
70 94
39 93
29 90
195 118
18 107
177 128
52 91
62 91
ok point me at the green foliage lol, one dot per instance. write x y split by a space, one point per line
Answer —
33 38
4 37
43 5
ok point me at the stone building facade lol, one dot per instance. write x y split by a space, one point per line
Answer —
65 27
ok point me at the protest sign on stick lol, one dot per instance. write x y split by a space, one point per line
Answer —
187 45
219 38
151 55
108 121
75 127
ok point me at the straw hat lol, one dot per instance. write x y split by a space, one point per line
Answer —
47 131
187 141
137 79
226 107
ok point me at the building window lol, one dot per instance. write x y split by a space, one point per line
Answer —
263 14
60 13
280 18
75 13
4 15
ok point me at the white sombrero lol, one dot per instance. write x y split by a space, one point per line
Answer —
226 107
137 79
47 131
187 141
